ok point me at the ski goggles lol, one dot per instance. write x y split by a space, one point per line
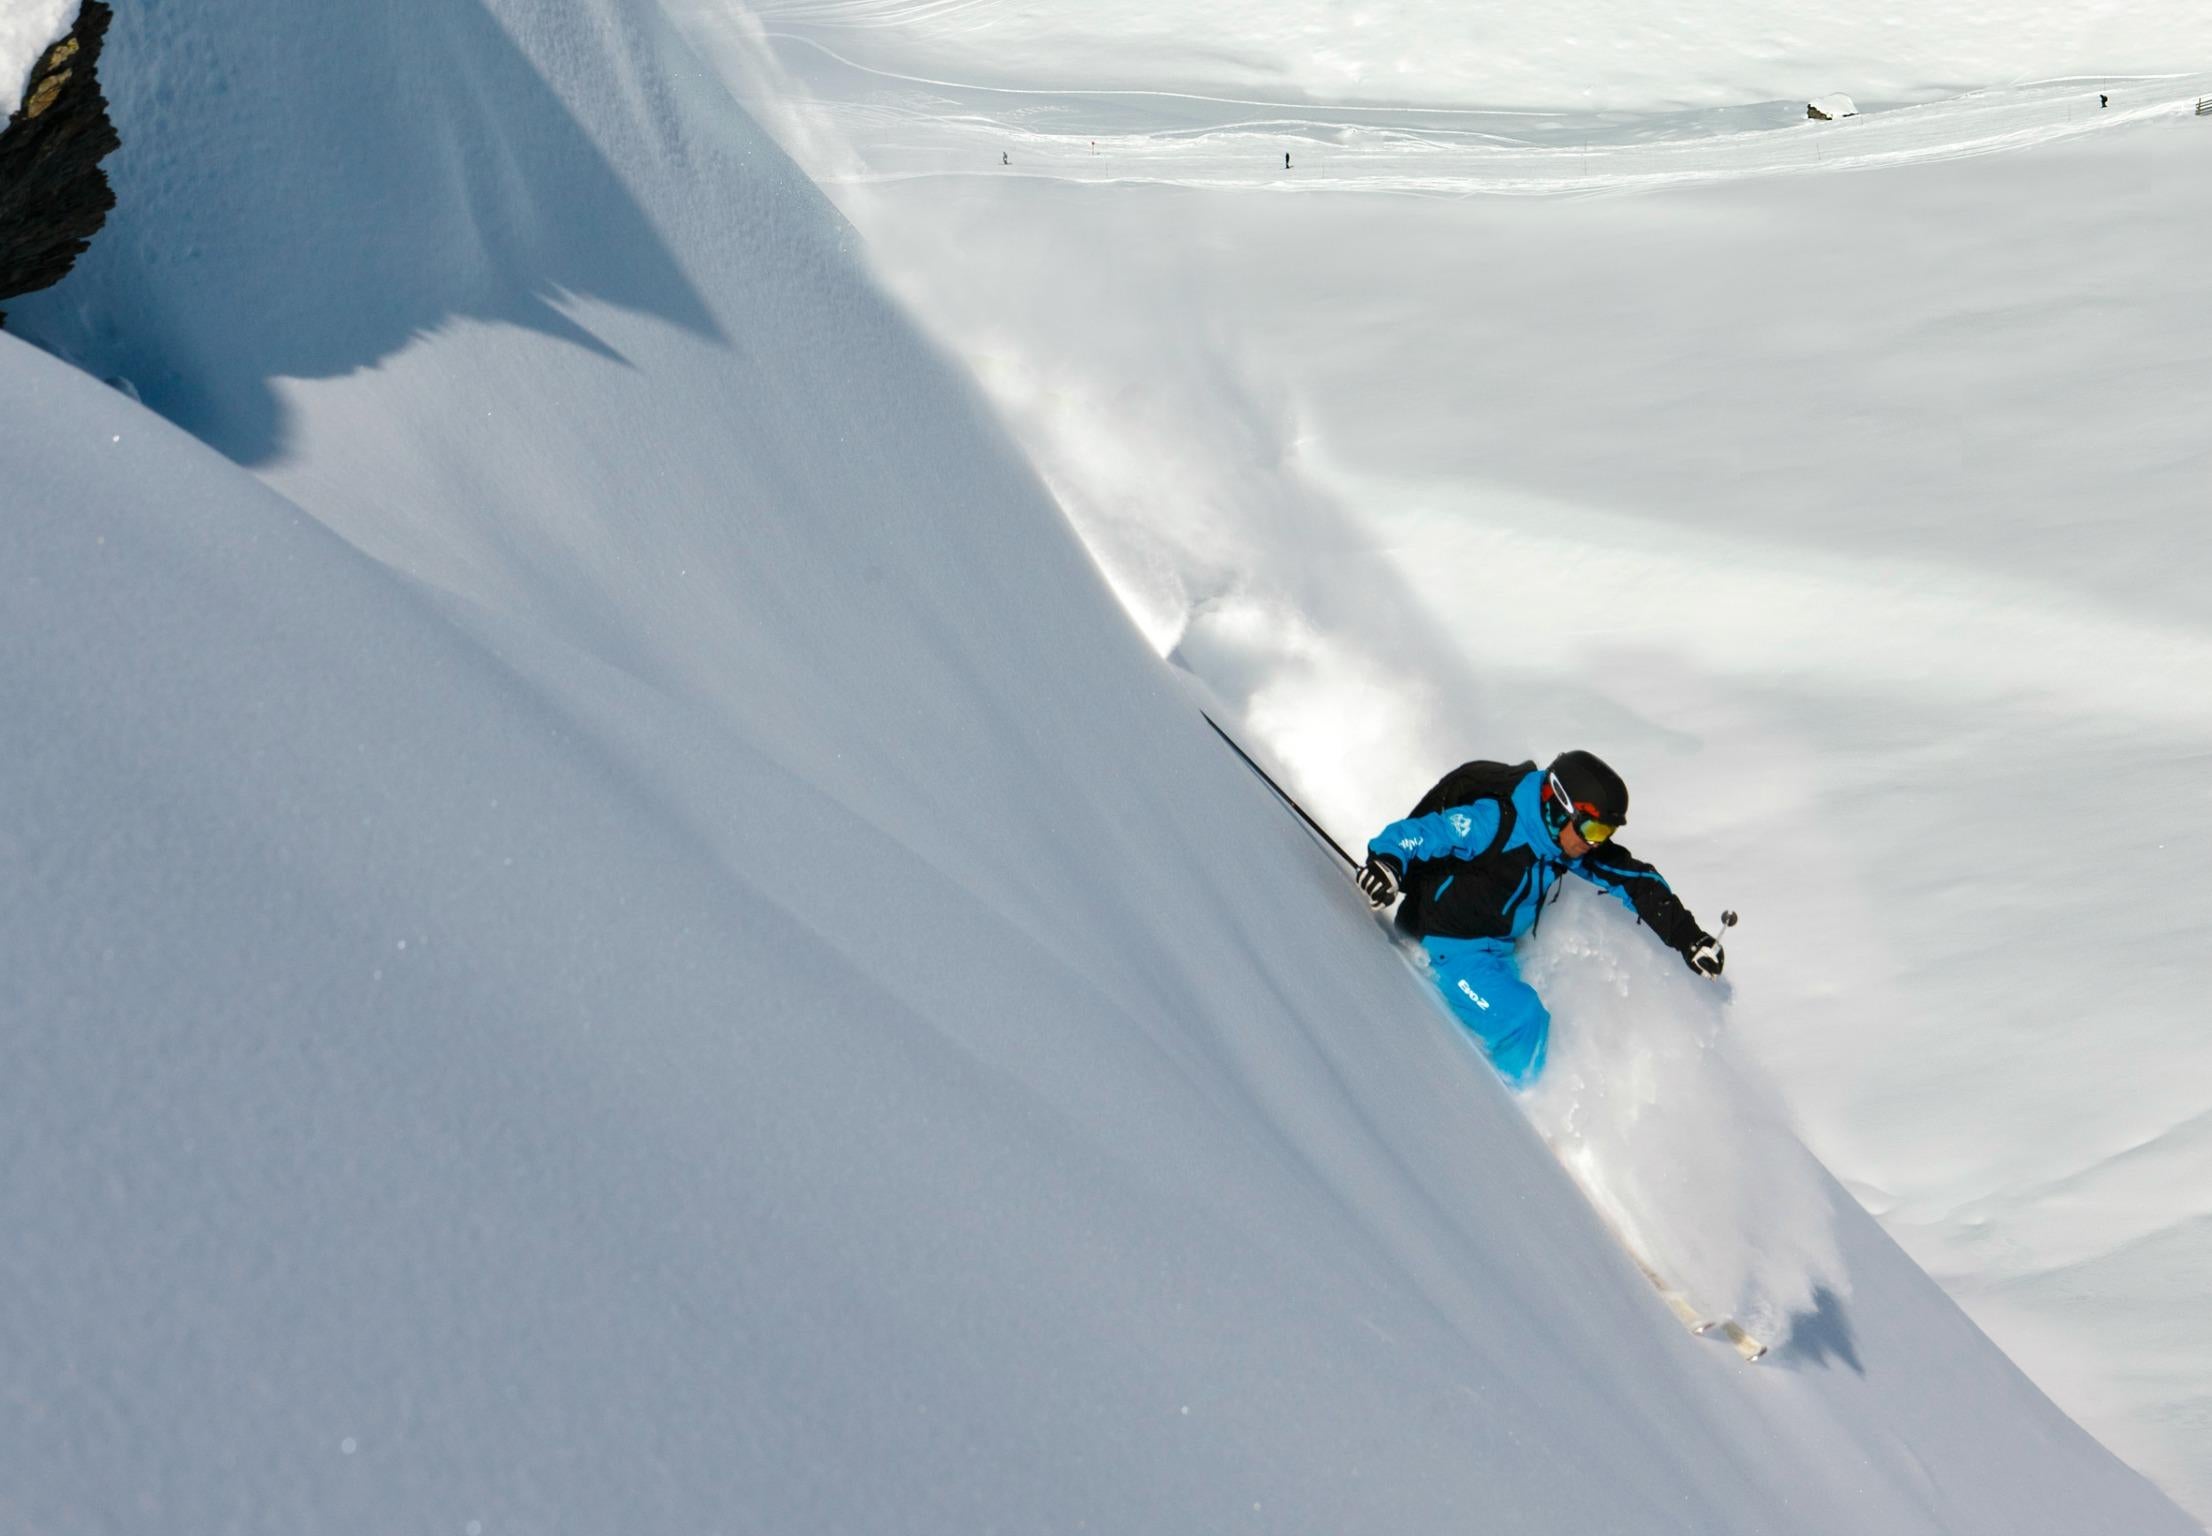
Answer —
1580 814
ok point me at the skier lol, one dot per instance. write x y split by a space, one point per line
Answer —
1475 862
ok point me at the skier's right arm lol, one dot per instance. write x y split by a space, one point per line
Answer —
1456 832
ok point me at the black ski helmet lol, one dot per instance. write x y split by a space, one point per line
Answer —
1589 781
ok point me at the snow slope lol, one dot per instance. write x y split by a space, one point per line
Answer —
1592 55
621 934
1858 513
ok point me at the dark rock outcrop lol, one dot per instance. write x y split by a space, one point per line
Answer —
53 194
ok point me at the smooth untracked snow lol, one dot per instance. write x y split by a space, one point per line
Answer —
623 936
1859 514
27 29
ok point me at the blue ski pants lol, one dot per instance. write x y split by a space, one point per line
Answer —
1483 985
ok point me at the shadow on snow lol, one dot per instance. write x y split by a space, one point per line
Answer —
403 166
1821 1336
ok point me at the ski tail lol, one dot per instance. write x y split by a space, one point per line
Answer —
1731 1330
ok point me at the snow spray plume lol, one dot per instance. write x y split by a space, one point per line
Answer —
1670 1132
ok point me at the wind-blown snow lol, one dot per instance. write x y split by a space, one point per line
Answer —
27 29
621 935
1671 1128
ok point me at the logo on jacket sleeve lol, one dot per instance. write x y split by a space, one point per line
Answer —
1462 823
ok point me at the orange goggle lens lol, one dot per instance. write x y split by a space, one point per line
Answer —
1595 831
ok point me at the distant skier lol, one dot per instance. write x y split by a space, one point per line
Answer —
1286 159
2103 101
1476 860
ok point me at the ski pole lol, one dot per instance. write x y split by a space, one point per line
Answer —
1280 793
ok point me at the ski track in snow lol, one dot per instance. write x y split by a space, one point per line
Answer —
908 126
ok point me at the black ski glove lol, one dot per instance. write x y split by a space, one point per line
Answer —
1705 956
1380 879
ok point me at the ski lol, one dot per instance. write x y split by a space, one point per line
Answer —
1731 1330
1749 1348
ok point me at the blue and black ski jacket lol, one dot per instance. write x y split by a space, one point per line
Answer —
1476 864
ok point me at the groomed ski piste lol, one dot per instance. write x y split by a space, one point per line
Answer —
610 926
907 127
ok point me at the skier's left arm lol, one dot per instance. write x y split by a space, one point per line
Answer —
1645 892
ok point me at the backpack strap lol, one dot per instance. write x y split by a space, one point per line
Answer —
1507 816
